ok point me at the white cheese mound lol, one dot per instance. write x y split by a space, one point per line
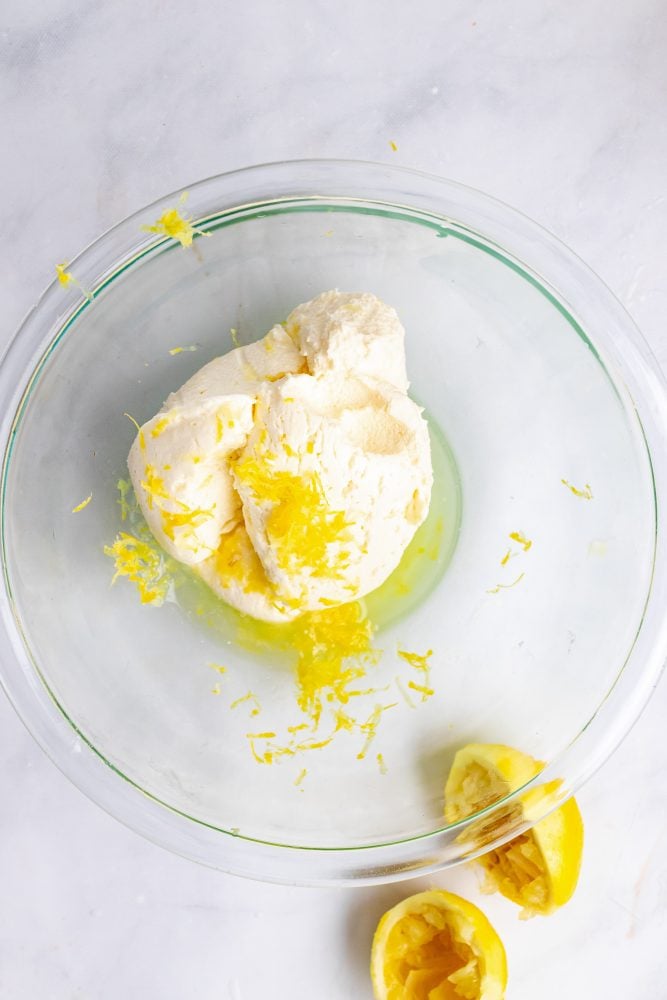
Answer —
293 473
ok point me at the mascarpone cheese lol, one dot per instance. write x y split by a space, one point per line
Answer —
292 474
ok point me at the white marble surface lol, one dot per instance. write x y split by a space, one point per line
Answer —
557 108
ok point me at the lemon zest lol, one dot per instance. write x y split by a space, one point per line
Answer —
176 226
585 494
381 763
180 350
425 692
521 540
250 696
153 486
123 486
393 146
506 558
142 565
301 775
66 278
215 689
140 433
218 667
82 505
300 526
160 426
506 586
261 736
370 727
417 660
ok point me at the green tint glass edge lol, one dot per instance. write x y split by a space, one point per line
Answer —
222 220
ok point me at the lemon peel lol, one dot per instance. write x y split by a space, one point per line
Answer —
65 278
301 527
539 869
180 350
586 493
175 225
505 586
420 662
124 486
143 565
437 946
82 506
520 539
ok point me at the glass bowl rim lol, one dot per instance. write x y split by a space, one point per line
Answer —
556 267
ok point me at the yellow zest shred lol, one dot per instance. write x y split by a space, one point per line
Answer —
234 335
123 486
261 736
236 561
425 692
585 494
301 775
188 518
370 727
82 505
249 697
381 764
218 667
506 586
331 647
180 350
419 661
300 526
506 558
142 565
393 146
215 689
160 426
153 486
140 433
176 226
64 276
520 539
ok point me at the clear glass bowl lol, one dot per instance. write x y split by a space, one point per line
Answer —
533 373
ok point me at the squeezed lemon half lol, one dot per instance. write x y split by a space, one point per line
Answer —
539 869
437 946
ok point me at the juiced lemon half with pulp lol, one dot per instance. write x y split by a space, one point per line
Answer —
437 946
539 868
